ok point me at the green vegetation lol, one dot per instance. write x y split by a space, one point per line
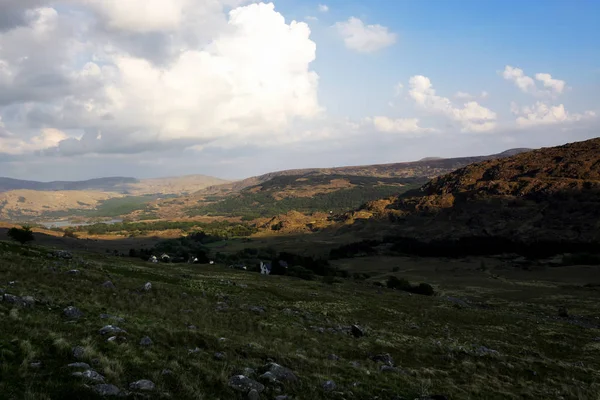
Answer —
22 235
425 289
111 208
262 204
506 342
223 229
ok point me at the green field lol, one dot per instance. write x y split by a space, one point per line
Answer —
499 337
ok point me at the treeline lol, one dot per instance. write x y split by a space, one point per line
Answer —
262 204
222 229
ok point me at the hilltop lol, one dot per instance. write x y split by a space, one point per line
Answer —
550 194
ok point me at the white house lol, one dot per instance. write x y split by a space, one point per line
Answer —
265 268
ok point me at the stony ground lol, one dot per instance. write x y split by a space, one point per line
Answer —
97 327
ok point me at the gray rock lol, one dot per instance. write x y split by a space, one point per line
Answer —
388 368
111 329
244 384
90 375
72 312
36 364
269 378
117 339
74 272
143 384
253 395
484 351
333 357
384 358
79 365
458 302
281 373
12 299
146 341
62 254
108 285
194 351
257 310
165 372
329 386
78 352
107 390
27 301
147 287
357 331
248 372
220 356
113 317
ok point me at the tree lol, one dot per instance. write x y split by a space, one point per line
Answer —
21 235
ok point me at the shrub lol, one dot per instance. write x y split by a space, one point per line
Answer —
70 233
424 289
301 272
400 284
21 235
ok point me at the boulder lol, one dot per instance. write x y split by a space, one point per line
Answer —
104 389
146 341
329 386
357 331
111 329
72 312
281 373
244 384
143 385
79 365
108 285
90 375
78 352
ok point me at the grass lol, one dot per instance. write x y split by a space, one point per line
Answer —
435 344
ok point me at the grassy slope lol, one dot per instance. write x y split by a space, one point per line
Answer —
431 340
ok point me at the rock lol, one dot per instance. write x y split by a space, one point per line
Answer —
113 317
90 375
192 327
220 356
329 386
384 358
117 339
257 310
78 352
27 301
458 302
244 384
108 285
146 341
194 351
143 384
388 368
333 357
355 364
281 373
12 299
79 365
484 351
165 372
72 312
74 272
62 254
253 395
147 287
248 372
269 378
111 329
357 331
36 365
107 390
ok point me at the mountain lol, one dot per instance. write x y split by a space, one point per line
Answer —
169 185
312 189
549 195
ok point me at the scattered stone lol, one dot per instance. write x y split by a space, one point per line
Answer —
62 254
329 386
165 372
357 331
221 340
74 272
268 378
113 317
257 310
458 302
12 299
36 364
104 389
333 357
115 339
192 327
27 301
108 285
253 395
194 351
78 352
80 365
143 384
147 287
384 358
243 285
484 351
72 312
146 341
90 375
111 329
220 356
281 373
388 368
355 364
244 384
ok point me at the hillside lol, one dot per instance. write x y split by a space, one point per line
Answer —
551 194
284 191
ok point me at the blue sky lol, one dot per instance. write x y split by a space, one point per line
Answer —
168 87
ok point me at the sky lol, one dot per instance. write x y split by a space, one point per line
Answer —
236 88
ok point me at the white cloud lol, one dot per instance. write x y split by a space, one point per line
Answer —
542 113
14 145
365 38
251 78
400 125
323 8
555 85
472 116
527 84
398 89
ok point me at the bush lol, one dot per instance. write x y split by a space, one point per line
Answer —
424 289
301 272
21 235
70 233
